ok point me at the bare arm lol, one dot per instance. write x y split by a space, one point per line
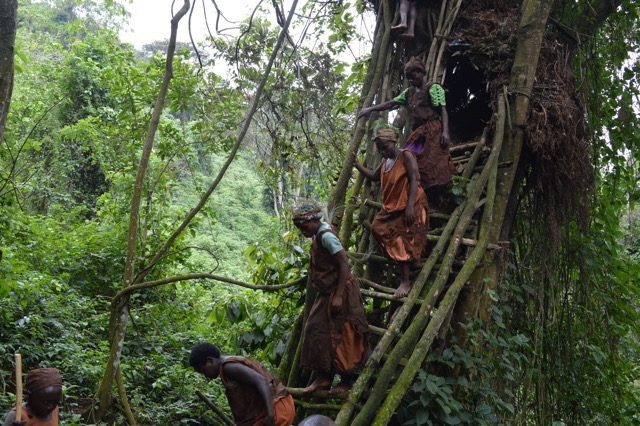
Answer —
446 140
380 107
411 165
343 275
243 374
373 175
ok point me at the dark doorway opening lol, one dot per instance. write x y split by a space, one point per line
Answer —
468 103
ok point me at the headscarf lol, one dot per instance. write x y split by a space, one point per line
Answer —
42 378
305 211
414 64
386 134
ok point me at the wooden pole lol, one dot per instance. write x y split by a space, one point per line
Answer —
18 387
225 419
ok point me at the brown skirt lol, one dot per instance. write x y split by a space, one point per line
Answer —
402 243
434 161
336 342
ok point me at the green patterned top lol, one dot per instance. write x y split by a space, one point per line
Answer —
437 95
436 92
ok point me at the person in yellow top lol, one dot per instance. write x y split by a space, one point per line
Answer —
43 389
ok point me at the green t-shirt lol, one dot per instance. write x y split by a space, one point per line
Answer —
329 240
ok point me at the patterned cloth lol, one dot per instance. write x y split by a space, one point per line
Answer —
387 135
434 161
307 210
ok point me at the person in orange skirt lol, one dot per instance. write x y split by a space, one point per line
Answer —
256 397
401 226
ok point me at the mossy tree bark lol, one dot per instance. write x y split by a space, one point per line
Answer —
501 182
119 316
475 300
8 27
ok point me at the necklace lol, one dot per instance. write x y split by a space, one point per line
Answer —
389 163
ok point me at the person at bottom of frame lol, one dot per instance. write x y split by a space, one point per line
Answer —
256 397
317 420
336 333
401 226
43 392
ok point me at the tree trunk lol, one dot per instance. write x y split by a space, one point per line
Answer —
8 27
133 280
476 300
410 333
119 315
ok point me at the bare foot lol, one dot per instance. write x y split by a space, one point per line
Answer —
406 36
341 387
319 383
399 27
403 290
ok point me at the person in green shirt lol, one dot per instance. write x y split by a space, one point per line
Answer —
426 110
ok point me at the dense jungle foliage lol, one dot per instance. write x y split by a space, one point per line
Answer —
562 340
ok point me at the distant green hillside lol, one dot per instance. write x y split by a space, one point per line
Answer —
237 218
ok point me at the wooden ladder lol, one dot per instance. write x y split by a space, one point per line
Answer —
405 340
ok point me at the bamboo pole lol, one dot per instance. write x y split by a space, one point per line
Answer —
289 354
372 81
320 393
376 286
18 387
294 372
362 383
408 340
384 296
421 350
312 406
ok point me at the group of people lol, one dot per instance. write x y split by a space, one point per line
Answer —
335 340
410 176
336 337
336 333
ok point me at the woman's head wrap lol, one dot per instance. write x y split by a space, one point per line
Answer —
306 210
386 134
42 378
414 64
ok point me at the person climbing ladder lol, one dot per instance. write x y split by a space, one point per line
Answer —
429 139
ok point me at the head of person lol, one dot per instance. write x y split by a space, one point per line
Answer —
414 72
317 420
205 359
43 388
306 217
385 141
